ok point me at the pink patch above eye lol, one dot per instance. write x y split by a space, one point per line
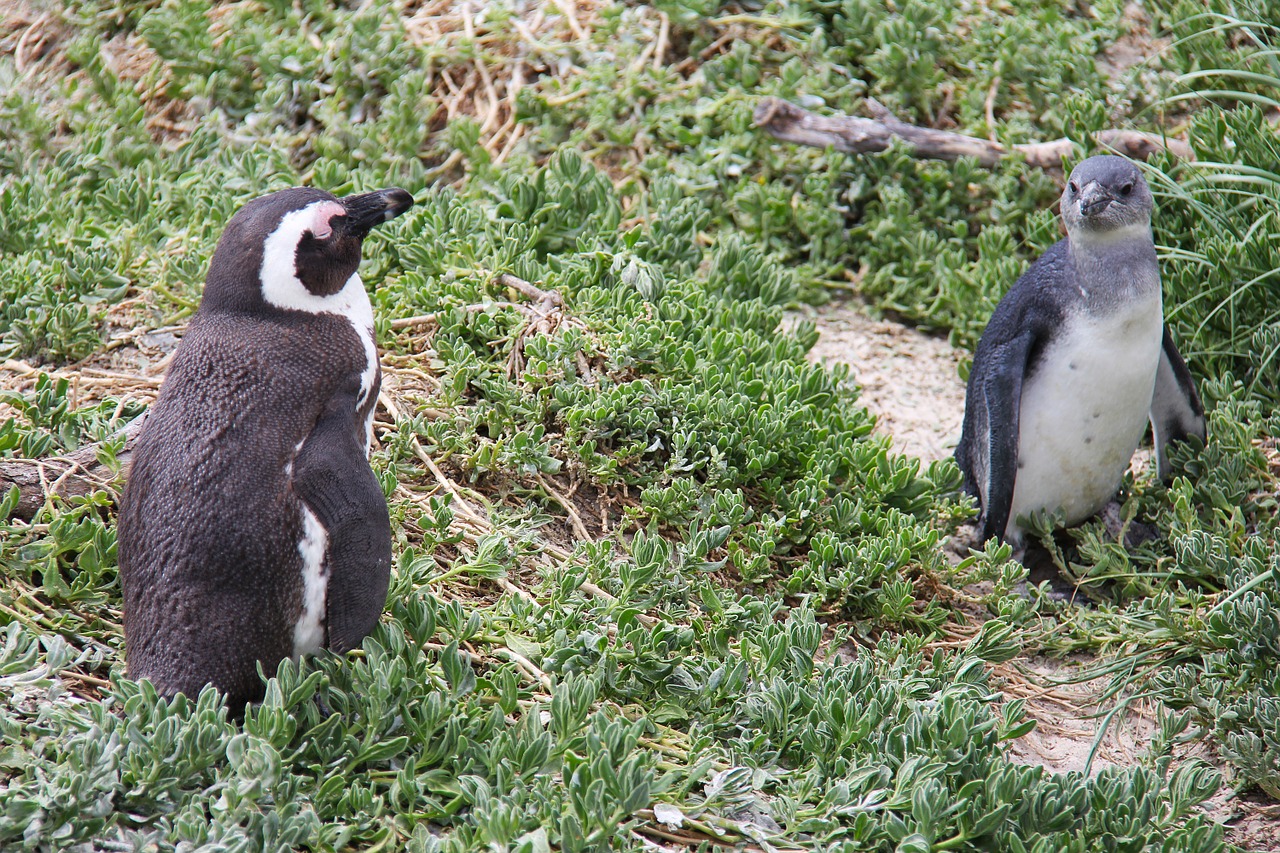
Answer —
324 212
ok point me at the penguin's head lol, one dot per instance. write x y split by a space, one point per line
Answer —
1106 195
292 249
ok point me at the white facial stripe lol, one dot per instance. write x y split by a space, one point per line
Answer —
308 634
281 287
279 273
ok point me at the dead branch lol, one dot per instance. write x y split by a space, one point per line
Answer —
548 300
544 317
74 475
853 135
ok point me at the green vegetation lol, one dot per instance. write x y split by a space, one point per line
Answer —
663 582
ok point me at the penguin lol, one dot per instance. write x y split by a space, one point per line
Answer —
1074 362
251 528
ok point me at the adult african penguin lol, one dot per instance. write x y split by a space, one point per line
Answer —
252 527
1074 362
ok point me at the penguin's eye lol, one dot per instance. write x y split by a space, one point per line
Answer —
1073 187
1126 188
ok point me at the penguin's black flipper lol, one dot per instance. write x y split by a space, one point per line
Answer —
333 478
1001 398
1176 411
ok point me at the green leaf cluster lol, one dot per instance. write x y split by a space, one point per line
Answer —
434 749
743 638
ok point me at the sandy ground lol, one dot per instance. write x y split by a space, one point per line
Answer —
1068 719
909 380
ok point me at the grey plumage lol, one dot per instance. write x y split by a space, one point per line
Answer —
251 527
1074 361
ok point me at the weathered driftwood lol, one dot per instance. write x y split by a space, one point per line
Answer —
854 135
73 475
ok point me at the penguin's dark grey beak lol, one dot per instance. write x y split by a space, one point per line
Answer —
366 210
1094 199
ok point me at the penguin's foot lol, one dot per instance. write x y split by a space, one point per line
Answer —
1041 569
1134 532
322 706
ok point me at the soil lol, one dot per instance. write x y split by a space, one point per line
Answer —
1136 46
910 381
1069 717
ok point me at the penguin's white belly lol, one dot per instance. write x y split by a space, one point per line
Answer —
308 632
1084 410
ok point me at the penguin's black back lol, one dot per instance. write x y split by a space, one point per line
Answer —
209 527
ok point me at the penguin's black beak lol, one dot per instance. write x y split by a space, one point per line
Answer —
369 209
1094 199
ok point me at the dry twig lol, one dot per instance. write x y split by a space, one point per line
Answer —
854 135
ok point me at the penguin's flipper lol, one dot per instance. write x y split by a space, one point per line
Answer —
333 478
1002 398
1176 411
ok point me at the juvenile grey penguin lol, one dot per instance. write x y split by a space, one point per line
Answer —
252 527
1074 362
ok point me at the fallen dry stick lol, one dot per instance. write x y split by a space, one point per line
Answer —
854 135
73 475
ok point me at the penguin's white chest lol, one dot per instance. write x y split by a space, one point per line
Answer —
1084 410
308 632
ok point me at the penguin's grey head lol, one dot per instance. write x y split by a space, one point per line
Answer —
1106 197
294 249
